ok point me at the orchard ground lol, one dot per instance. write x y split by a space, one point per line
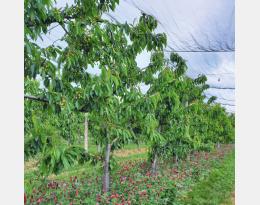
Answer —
186 182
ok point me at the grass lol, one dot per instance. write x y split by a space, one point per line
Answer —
188 178
217 188
230 200
129 152
93 147
209 188
89 169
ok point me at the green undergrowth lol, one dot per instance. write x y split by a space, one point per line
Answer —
179 183
230 200
87 168
217 187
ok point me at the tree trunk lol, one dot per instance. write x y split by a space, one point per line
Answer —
98 148
106 169
176 159
154 165
86 133
188 157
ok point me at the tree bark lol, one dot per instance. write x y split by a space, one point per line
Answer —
106 169
188 157
86 133
176 159
154 165
36 98
98 148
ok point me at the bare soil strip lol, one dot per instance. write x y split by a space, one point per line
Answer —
128 152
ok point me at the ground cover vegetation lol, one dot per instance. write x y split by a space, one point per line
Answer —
217 188
76 119
132 182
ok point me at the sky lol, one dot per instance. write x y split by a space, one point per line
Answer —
209 22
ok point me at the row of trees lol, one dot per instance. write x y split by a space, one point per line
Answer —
172 117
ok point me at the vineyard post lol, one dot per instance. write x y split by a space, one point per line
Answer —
98 148
86 133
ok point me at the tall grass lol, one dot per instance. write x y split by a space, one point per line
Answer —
217 188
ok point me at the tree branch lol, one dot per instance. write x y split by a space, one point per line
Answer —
30 97
52 19
44 100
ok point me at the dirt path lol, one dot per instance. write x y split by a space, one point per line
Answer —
31 165
127 152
